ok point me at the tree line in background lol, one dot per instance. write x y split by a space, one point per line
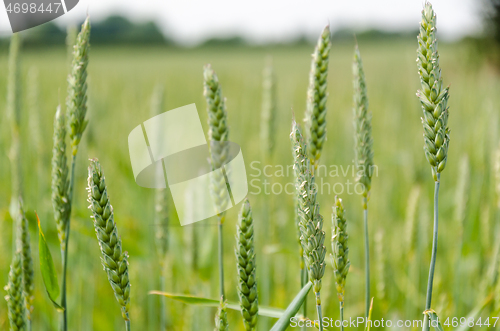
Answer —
118 30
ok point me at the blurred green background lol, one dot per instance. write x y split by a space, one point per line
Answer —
122 79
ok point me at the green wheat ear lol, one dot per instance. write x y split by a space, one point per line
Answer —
28 276
433 95
363 126
60 182
245 257
15 299
77 87
317 96
340 249
115 261
312 236
217 134
221 323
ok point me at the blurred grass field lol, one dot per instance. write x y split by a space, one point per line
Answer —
121 82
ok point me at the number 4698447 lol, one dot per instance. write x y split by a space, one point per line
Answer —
463 321
33 8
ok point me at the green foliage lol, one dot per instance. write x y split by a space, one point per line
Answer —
284 321
47 268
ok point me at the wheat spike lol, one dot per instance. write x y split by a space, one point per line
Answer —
23 246
60 182
340 249
245 257
76 102
317 96
221 323
217 135
433 95
362 127
113 259
15 298
310 221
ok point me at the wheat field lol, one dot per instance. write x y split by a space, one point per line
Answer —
121 82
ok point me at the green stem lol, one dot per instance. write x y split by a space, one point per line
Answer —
342 316
303 281
127 325
367 257
163 319
64 253
318 309
434 254
221 262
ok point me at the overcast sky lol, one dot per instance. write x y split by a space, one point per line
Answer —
191 21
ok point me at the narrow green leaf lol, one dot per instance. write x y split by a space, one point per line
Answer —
368 325
474 314
199 301
292 309
435 323
47 268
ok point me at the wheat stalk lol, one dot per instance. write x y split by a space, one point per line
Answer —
269 109
14 115
161 215
161 196
310 221
245 257
28 273
219 149
433 98
221 323
364 155
317 96
113 259
381 264
15 298
340 249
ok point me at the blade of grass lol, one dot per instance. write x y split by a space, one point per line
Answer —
284 322
207 302
47 269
